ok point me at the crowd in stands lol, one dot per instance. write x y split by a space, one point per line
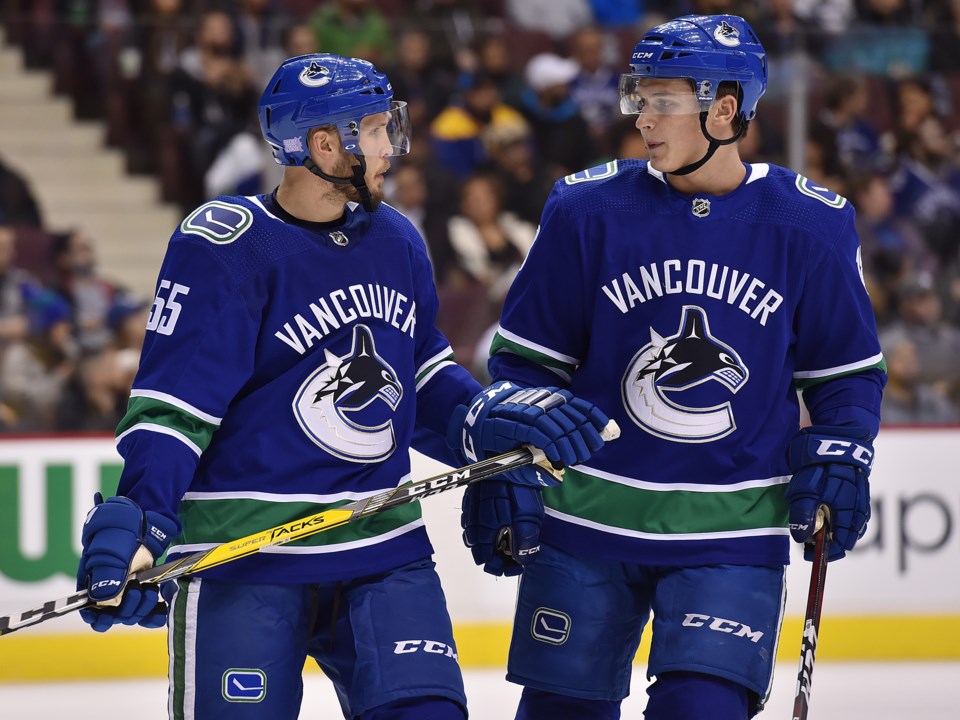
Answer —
506 96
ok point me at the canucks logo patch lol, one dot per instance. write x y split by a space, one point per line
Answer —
219 222
337 405
550 626
727 34
247 685
662 375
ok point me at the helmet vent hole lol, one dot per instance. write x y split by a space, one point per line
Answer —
667 55
276 88
267 114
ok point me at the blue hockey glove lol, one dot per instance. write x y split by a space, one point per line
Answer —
119 538
504 416
830 465
501 525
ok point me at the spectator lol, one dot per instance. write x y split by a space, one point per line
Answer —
213 99
456 133
259 24
108 376
560 133
89 296
525 182
299 40
907 399
353 28
490 244
881 42
850 139
944 18
594 89
452 25
937 343
17 203
36 372
425 84
557 18
17 288
493 58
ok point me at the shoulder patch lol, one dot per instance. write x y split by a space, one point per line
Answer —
806 186
595 173
219 222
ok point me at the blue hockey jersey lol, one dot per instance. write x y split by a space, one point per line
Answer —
286 367
692 321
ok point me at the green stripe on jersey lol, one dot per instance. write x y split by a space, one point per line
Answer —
501 344
217 521
426 371
149 410
810 382
667 512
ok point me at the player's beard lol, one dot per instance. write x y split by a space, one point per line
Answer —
344 169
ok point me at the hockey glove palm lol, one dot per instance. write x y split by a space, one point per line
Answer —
830 465
119 538
501 525
504 416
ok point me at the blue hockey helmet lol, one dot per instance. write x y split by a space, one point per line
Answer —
321 89
707 49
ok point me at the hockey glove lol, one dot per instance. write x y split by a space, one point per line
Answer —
118 539
501 525
504 416
830 465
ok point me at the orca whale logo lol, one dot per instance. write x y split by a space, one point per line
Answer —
331 401
662 370
315 75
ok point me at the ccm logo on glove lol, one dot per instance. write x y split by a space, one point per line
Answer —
861 454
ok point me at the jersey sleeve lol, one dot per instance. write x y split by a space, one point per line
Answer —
543 327
441 383
835 325
198 353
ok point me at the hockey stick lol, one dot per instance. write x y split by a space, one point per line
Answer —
300 528
822 537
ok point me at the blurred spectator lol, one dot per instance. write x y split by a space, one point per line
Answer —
213 98
424 85
594 89
89 296
490 244
452 25
17 288
456 133
525 182
937 343
299 40
850 140
354 28
260 25
17 203
627 141
558 18
406 190
560 134
926 186
36 372
907 398
108 376
829 16
493 58
944 19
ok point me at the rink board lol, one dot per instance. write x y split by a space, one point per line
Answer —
896 598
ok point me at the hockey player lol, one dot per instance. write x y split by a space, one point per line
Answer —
689 296
291 360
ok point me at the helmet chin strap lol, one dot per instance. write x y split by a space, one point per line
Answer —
714 146
358 180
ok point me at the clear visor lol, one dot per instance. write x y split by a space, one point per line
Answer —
635 99
379 134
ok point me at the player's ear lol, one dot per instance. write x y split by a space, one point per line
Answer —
323 143
724 109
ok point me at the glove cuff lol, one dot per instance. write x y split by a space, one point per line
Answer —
827 444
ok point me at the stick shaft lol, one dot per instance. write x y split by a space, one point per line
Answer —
811 621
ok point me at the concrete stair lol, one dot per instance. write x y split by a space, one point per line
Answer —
78 181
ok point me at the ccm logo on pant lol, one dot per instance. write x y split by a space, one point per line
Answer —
428 646
720 625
